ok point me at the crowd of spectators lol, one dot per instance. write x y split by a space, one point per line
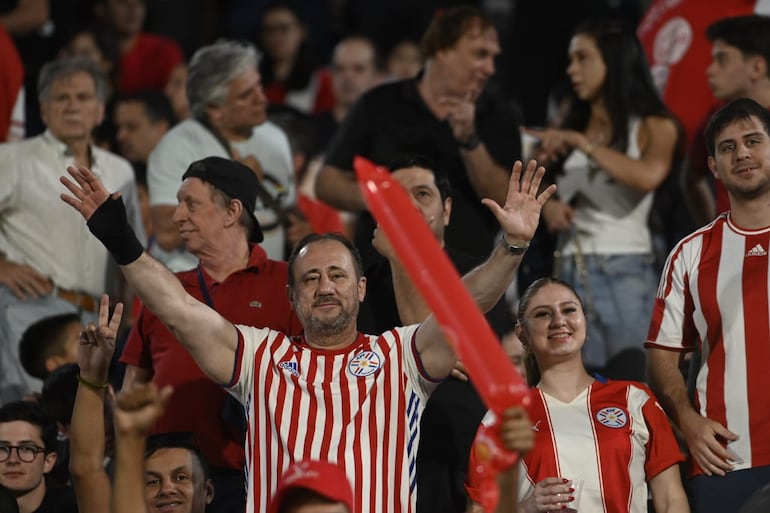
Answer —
233 331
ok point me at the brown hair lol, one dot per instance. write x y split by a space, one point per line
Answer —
448 26
533 372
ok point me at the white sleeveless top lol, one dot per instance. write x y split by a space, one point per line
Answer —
610 218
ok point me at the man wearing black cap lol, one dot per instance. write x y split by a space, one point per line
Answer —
217 224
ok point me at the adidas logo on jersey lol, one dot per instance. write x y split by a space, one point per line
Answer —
757 250
292 367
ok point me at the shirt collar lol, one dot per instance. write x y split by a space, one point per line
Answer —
64 151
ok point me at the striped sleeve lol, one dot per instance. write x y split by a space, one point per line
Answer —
671 324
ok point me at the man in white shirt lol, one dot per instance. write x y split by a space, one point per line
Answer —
49 262
228 120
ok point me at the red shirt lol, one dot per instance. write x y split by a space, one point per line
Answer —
11 80
148 64
254 296
673 34
317 97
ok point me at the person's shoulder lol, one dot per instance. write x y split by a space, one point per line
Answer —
388 91
112 164
30 145
58 499
188 135
268 131
157 42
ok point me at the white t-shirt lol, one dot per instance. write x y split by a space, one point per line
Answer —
190 141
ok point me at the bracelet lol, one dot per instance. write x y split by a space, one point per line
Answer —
92 386
513 250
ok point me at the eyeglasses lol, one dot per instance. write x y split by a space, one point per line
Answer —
27 452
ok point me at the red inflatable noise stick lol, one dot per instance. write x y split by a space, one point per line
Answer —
487 459
493 375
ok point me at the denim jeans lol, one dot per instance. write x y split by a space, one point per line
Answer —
618 292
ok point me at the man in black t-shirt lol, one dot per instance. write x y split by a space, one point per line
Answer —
443 115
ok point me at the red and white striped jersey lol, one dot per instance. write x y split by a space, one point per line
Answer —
359 407
614 436
714 294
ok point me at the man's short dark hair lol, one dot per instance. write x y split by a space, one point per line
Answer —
750 34
449 26
177 440
32 413
315 237
157 106
424 162
737 110
42 340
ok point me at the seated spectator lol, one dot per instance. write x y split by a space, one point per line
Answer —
308 483
49 343
289 73
176 91
146 60
229 120
404 61
27 455
141 120
48 266
354 70
154 474
173 464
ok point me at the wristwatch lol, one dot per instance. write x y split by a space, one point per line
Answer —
513 250
470 143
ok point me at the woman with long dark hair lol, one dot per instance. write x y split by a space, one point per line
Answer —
616 146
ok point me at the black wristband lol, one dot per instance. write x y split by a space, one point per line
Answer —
470 143
109 224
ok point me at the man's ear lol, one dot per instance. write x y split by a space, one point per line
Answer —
361 289
209 491
50 461
447 210
712 163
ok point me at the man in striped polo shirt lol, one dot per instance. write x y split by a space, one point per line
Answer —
714 296
333 393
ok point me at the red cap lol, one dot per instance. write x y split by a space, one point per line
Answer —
322 477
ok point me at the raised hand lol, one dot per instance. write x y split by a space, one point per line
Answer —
88 191
139 408
519 216
97 343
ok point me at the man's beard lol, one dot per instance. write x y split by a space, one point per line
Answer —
330 327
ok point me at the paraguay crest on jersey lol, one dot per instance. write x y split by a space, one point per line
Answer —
364 364
612 417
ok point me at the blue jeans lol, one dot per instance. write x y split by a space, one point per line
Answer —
15 317
715 494
618 292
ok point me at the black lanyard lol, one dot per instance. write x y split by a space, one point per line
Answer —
204 289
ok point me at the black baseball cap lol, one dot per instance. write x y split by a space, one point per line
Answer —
234 179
